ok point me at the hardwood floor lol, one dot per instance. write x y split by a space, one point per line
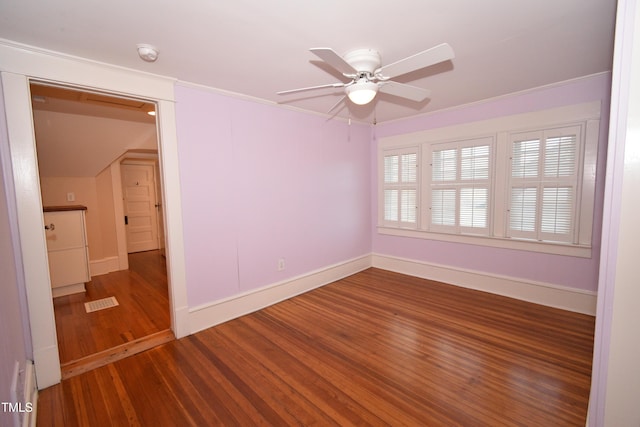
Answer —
143 309
376 348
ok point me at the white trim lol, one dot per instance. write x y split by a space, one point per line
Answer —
19 64
208 315
496 242
592 133
172 202
614 378
562 297
118 214
30 226
58 68
102 266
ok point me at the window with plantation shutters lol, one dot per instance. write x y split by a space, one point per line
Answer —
544 184
523 182
460 186
400 188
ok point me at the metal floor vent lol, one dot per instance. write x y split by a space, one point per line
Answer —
100 304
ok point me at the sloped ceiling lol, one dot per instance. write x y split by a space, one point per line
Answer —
79 134
257 47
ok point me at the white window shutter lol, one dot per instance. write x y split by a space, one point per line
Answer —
544 179
391 169
474 163
409 168
443 207
400 188
391 205
557 210
474 203
525 159
460 184
444 165
527 176
560 156
408 205
523 212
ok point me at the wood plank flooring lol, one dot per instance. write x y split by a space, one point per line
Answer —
113 354
376 348
143 310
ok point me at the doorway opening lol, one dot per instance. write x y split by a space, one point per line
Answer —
86 145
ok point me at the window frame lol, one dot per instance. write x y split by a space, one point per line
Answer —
586 115
399 186
457 184
541 182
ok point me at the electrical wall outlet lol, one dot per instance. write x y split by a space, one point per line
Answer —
281 264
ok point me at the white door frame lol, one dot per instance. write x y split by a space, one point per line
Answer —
19 64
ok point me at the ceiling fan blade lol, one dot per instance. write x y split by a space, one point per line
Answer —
329 56
435 55
336 104
286 92
402 90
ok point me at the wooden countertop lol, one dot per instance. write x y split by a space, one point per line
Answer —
64 208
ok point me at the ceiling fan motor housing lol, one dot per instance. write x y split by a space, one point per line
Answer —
364 60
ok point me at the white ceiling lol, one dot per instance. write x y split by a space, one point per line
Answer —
79 134
259 47
92 145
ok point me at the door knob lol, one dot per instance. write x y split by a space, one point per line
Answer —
51 227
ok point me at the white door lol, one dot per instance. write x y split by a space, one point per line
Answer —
139 192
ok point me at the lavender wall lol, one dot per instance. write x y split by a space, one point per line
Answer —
260 183
568 271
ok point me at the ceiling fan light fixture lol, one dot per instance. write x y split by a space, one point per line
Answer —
362 92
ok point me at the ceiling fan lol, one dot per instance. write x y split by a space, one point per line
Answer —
368 77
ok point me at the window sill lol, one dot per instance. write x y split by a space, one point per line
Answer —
496 242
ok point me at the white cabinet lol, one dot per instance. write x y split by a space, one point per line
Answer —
67 250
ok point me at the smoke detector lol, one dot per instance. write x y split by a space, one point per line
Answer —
147 52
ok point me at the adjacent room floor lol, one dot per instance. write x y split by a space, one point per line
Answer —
142 310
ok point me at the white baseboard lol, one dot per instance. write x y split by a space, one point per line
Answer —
212 314
98 267
551 295
180 323
576 300
47 366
